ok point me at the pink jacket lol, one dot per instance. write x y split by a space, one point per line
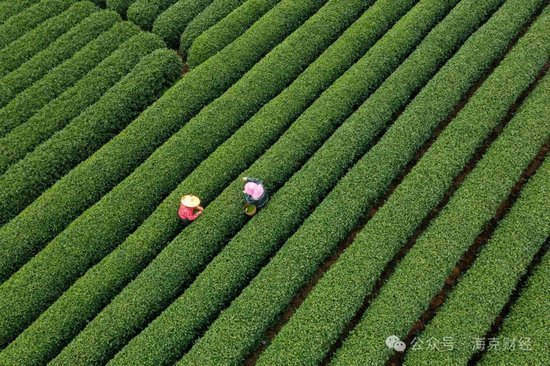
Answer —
254 190
186 213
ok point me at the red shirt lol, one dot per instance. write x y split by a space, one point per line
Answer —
186 213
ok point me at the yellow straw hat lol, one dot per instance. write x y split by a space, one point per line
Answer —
190 201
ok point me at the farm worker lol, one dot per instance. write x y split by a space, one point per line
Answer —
189 208
255 192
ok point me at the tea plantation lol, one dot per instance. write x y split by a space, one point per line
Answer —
399 149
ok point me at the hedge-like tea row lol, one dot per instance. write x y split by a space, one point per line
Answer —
222 279
27 179
172 22
95 289
204 238
19 51
153 74
333 23
86 184
59 79
213 13
62 49
178 147
11 8
527 322
227 30
165 346
29 18
120 6
145 12
162 166
91 129
59 112
422 272
299 258
503 260
333 302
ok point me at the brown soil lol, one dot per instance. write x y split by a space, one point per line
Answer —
470 256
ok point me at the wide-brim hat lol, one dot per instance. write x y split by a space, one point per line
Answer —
190 201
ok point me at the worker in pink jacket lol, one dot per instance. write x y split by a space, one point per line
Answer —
255 195
190 208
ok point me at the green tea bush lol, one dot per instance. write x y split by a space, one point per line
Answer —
95 288
166 157
64 76
153 74
227 30
319 321
205 237
83 186
29 17
11 8
62 49
503 260
145 12
422 272
20 50
59 112
300 256
325 16
525 318
171 23
211 290
120 6
210 16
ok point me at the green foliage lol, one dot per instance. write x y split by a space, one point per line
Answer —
120 6
86 184
210 16
164 346
26 180
28 18
485 288
55 82
227 30
145 12
332 25
254 83
59 112
62 49
48 269
331 305
93 290
132 208
232 269
300 253
527 320
171 23
20 50
11 8
99 142
422 272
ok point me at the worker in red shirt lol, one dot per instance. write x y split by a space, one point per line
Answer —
190 208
